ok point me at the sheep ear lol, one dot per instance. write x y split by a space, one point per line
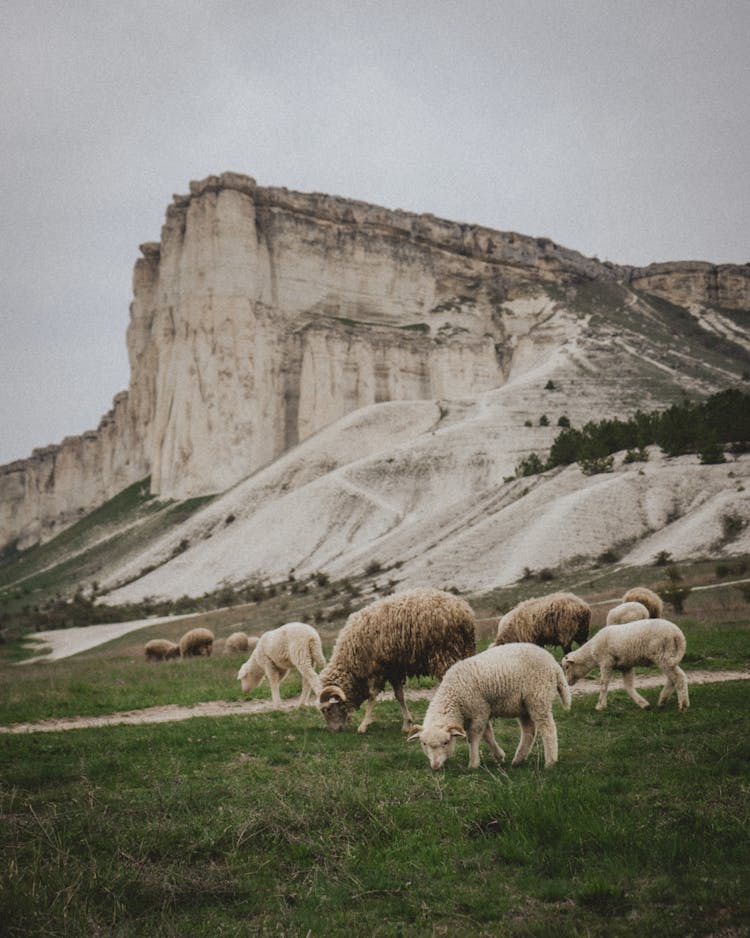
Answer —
414 733
332 694
456 730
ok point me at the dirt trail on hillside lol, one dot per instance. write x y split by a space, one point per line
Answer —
223 708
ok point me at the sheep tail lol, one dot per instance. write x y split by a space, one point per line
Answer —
563 690
316 655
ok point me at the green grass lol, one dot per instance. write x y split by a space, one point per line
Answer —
270 825
76 557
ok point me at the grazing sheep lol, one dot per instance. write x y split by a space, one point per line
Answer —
239 643
294 645
516 680
652 602
627 612
623 647
557 619
196 642
416 632
160 649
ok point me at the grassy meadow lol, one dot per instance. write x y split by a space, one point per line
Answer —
267 824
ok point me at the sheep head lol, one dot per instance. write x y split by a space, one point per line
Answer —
438 741
250 675
334 706
573 669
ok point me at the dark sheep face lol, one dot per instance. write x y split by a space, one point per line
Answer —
336 713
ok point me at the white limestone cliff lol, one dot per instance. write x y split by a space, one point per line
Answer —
263 315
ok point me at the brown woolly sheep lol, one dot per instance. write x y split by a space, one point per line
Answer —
557 619
652 602
413 633
160 649
239 643
196 642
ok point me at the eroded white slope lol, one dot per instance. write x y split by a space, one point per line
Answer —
423 485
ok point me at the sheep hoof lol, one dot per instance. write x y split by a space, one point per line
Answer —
646 705
362 728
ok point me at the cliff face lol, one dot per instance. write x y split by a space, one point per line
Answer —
263 315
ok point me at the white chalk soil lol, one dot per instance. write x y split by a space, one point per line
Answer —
62 643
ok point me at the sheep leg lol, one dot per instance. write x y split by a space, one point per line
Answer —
675 679
628 679
368 718
275 677
398 693
310 685
304 693
474 733
548 732
528 735
489 738
605 676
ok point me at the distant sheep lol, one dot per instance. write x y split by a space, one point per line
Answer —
294 645
627 612
652 602
557 619
416 632
623 647
239 643
196 642
516 680
160 649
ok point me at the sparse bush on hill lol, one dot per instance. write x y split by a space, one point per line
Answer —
530 465
706 428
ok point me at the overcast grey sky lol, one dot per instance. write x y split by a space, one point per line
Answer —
620 129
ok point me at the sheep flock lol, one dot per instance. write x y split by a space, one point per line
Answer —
431 632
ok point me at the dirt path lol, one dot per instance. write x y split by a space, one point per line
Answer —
223 708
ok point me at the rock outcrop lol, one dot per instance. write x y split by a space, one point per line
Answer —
263 315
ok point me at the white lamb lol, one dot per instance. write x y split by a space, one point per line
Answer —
515 680
627 612
622 648
294 645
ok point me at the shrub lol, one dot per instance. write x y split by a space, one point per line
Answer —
712 454
607 557
530 465
732 526
676 596
596 465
